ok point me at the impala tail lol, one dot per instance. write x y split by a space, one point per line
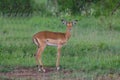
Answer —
35 40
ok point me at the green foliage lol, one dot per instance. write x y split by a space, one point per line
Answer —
75 6
16 7
88 7
105 7
58 7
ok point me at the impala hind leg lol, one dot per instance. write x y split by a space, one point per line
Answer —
39 60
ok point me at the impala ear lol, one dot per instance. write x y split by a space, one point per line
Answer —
74 22
64 22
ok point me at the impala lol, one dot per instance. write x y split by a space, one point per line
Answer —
58 39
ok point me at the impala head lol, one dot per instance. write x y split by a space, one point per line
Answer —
69 24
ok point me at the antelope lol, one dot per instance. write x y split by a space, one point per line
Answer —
58 39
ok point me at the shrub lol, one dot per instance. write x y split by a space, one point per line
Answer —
16 7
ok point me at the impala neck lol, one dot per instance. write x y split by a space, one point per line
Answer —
68 34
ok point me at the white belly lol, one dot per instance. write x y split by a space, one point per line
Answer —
51 44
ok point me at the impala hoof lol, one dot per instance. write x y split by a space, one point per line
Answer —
42 70
39 70
58 68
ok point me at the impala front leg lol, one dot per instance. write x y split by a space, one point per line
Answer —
58 57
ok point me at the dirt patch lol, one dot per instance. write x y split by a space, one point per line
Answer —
51 74
32 74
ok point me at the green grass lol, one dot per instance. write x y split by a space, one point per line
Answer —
92 47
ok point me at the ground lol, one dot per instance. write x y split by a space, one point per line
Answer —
21 73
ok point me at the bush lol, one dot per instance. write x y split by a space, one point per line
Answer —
75 6
88 7
16 7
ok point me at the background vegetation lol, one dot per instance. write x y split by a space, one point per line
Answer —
93 47
58 7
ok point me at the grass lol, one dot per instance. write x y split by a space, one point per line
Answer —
92 47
